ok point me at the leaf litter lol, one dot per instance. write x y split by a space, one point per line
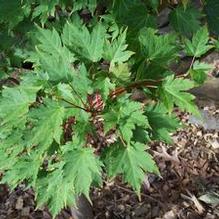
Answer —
187 189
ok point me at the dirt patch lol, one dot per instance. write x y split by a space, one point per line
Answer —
189 169
189 174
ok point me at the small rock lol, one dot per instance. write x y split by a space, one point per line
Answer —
25 211
214 144
170 215
19 203
208 122
155 212
163 17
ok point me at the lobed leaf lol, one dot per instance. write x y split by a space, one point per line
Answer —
185 20
86 44
133 162
199 44
173 92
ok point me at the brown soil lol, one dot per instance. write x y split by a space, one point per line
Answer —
189 169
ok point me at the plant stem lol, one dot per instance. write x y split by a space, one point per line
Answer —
74 105
136 84
187 73
192 62
77 95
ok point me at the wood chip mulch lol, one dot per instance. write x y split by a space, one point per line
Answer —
188 188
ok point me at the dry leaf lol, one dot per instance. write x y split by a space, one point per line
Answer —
166 156
170 215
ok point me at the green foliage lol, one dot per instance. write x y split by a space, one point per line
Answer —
73 117
15 103
185 20
46 117
158 49
122 8
48 191
15 13
125 118
161 123
131 161
173 92
53 57
217 45
83 43
116 51
85 169
199 71
199 43
211 9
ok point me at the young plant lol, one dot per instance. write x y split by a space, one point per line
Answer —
73 116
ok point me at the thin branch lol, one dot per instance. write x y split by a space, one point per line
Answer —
192 62
84 104
137 84
122 140
187 73
143 195
74 105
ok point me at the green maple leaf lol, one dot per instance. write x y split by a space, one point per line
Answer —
104 85
85 44
11 12
158 49
49 191
211 8
47 125
130 117
121 71
61 197
10 148
125 115
15 103
81 168
65 91
121 8
173 92
199 71
49 41
133 162
116 50
161 123
75 173
44 9
185 20
85 85
199 43
81 4
54 58
76 92
18 172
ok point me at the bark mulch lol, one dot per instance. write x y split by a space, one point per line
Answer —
188 188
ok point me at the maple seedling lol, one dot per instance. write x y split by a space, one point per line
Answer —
71 118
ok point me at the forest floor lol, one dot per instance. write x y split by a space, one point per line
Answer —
188 188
